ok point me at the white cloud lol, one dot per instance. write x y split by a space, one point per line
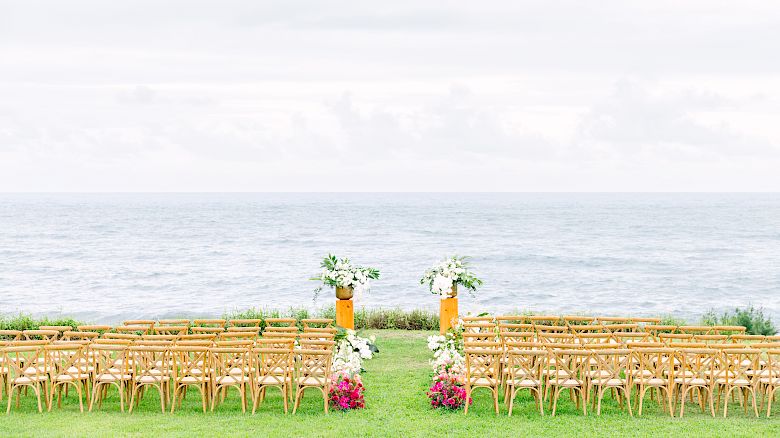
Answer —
496 95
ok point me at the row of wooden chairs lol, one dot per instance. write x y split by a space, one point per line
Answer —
677 372
131 363
175 327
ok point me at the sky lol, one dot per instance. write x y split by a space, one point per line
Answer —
389 96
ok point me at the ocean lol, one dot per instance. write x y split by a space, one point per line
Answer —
108 257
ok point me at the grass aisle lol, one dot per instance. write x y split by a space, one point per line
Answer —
396 382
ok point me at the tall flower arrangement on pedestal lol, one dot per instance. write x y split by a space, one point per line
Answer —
444 277
341 273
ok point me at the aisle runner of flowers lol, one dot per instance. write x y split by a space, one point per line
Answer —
449 369
346 391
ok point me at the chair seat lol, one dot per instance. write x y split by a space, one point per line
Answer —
524 383
152 379
651 381
272 380
232 380
69 377
733 382
775 381
483 381
27 380
108 377
312 381
609 382
567 383
691 381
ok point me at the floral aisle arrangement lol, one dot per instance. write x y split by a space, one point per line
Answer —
448 392
346 391
444 277
352 350
347 388
344 276
449 369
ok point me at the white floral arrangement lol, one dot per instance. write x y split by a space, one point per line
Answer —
451 271
351 351
448 352
338 272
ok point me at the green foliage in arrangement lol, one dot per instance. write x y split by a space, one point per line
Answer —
396 405
378 319
751 318
27 322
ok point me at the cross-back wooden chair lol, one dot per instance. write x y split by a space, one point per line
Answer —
11 335
110 361
58 328
231 367
309 323
696 369
769 378
654 371
610 372
524 365
68 366
483 369
19 375
175 330
314 372
191 367
151 368
148 323
274 365
741 372
568 371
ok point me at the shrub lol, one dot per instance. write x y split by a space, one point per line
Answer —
27 322
754 320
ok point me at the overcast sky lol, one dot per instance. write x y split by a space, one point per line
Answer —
390 96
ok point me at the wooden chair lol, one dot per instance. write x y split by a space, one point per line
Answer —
151 368
11 335
110 370
741 372
46 335
314 372
696 369
769 378
274 370
621 328
19 375
231 367
612 320
191 367
68 366
610 372
568 372
654 371
524 364
746 339
483 369
58 328
176 330
148 323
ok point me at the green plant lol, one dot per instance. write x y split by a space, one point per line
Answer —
27 322
753 319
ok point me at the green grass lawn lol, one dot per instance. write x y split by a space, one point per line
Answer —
396 405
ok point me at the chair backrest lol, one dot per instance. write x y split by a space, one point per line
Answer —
622 328
46 335
283 343
77 335
159 337
471 338
553 338
568 364
512 319
541 329
596 338
125 336
320 330
113 341
177 330
59 328
627 338
67 360
728 329
743 339
742 365
587 328
772 366
17 358
315 366
653 363
173 322
515 327
134 329
610 320
479 327
254 330
697 363
316 323
316 336
316 344
483 362
284 329
197 337
109 359
507 337
275 365
611 363
576 320
195 343
655 329
525 363
151 362
711 339
191 362
280 335
232 336
481 319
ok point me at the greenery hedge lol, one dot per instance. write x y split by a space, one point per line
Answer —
750 317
